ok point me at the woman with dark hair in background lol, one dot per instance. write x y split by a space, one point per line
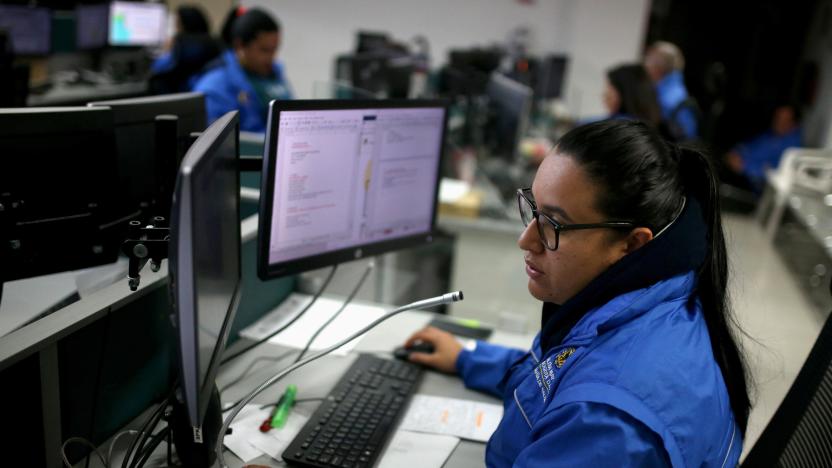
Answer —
636 363
190 20
248 77
629 94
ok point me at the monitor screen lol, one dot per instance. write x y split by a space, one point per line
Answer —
205 265
92 23
137 24
29 28
345 179
64 208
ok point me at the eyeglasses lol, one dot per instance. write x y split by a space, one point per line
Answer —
550 230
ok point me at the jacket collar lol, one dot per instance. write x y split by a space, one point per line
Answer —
659 271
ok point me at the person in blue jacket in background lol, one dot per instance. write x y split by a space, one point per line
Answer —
191 20
665 63
247 78
749 160
635 363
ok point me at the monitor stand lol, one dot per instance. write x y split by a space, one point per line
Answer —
190 452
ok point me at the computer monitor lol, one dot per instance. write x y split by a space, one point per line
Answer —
137 24
92 26
510 104
30 28
551 77
347 179
136 145
204 258
62 205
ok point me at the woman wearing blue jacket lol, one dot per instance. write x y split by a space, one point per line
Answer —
635 363
247 77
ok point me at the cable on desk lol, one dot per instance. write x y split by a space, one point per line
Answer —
157 439
349 299
84 441
288 324
113 443
423 304
240 377
147 427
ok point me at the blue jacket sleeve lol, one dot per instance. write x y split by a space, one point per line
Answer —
218 99
592 434
484 367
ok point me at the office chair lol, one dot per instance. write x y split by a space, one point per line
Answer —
800 432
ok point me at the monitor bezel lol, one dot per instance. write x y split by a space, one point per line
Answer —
267 270
198 393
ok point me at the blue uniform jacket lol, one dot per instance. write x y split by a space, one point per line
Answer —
765 151
671 92
633 383
227 88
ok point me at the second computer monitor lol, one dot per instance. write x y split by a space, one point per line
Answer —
347 179
137 24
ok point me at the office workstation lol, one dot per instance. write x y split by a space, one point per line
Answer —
395 244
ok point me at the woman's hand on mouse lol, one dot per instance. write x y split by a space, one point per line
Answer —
446 349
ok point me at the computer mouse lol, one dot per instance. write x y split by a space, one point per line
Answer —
403 353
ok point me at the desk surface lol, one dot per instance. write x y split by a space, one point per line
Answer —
318 378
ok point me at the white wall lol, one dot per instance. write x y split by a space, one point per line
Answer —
595 33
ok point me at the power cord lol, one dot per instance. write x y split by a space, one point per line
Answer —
349 299
113 443
424 304
84 441
148 426
288 324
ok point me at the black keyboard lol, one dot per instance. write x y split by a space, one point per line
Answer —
353 424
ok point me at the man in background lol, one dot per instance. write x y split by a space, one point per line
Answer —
665 63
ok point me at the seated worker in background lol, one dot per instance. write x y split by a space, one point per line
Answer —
191 49
247 78
665 63
629 94
748 161
635 363
189 20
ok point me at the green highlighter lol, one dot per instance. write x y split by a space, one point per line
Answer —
284 407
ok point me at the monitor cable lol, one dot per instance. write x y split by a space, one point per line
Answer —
288 324
280 357
349 299
423 304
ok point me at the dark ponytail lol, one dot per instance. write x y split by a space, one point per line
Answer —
644 179
700 180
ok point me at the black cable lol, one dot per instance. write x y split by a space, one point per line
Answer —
240 377
140 447
144 429
335 316
287 325
157 439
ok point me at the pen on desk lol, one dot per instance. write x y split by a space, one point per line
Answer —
267 424
284 406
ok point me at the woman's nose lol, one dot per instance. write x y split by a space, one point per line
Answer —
530 238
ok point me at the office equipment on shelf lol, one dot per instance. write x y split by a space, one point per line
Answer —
359 416
61 205
346 179
29 28
147 169
137 24
551 76
205 278
510 106
91 26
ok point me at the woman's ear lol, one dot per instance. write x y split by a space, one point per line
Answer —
637 238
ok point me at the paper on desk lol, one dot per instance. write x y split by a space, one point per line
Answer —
352 319
432 450
451 416
248 443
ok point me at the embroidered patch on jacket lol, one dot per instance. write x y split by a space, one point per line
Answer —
562 356
544 374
